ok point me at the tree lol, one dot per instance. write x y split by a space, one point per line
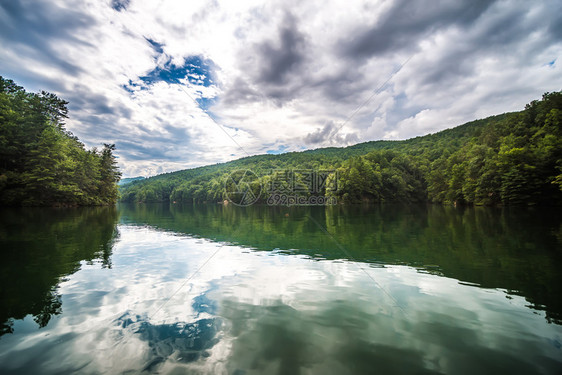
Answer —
109 174
41 163
513 158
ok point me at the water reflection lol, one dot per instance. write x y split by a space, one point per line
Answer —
349 339
157 301
39 248
180 341
516 249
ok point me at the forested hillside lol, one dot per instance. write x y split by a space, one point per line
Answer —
125 181
41 163
514 158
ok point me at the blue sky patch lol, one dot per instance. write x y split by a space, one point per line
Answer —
128 86
205 103
157 47
120 5
197 70
281 149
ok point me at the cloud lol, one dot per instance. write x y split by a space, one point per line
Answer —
120 5
328 135
161 79
406 23
276 62
38 29
195 69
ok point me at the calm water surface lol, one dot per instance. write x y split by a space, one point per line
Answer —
262 290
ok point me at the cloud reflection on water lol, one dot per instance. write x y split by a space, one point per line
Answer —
252 313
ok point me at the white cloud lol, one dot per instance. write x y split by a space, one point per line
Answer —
281 71
144 311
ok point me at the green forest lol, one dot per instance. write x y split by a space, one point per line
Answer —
43 164
57 242
509 159
466 243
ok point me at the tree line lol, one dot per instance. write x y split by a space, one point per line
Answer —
467 244
42 163
509 159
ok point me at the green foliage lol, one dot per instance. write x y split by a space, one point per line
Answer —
41 163
511 248
513 158
56 242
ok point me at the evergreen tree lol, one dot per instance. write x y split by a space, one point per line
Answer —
41 163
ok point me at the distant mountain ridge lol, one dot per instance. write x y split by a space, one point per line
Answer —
128 180
512 158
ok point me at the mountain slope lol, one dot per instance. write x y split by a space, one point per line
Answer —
125 181
513 158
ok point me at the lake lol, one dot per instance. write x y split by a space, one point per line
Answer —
214 289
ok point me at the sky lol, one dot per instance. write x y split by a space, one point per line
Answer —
180 84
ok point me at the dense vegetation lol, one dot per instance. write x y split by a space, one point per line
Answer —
514 158
41 163
40 247
504 247
125 181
